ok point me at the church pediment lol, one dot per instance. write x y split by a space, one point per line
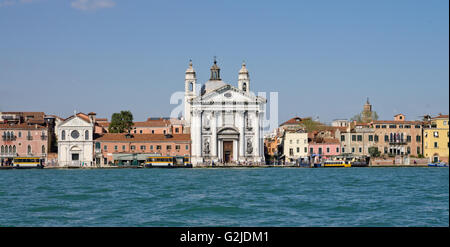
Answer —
75 121
229 94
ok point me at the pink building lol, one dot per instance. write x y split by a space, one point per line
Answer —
326 147
23 140
111 145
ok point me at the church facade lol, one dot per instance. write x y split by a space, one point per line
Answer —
225 122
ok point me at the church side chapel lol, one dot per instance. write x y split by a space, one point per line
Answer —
225 122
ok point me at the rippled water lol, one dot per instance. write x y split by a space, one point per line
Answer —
226 197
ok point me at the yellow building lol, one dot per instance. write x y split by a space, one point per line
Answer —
435 139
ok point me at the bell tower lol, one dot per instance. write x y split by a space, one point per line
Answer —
190 81
244 79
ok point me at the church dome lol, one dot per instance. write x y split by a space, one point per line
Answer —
210 86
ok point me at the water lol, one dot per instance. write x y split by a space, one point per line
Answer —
226 197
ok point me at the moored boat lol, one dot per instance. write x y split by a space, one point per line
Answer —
440 164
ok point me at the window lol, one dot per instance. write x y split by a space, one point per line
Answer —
408 138
135 131
291 151
408 150
337 150
97 145
385 150
164 132
140 131
142 147
401 126
417 126
417 138
42 149
392 126
177 147
370 138
360 150
359 138
386 138
298 141
153 131
343 150
169 147
353 150
177 130
158 147
328 150
63 135
418 150
298 150
435 145
377 126
342 138
320 150
290 141
306 149
383 126
123 148
187 147
151 147
115 147
407 126
28 149
105 147
20 134
311 150
86 135
353 137
376 138
436 134
133 147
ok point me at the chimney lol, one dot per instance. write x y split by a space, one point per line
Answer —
92 116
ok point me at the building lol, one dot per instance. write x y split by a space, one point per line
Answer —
76 140
398 136
435 138
26 134
224 121
113 148
295 145
357 139
160 126
325 147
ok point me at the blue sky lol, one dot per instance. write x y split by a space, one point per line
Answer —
322 57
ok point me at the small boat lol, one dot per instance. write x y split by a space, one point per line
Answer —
337 163
440 164
28 163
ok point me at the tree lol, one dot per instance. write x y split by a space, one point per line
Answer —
121 122
365 117
373 151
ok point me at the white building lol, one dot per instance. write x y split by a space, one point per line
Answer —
295 145
75 141
225 122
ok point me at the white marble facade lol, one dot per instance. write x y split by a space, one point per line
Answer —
225 121
75 141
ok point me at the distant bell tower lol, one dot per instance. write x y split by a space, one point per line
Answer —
215 72
190 81
244 79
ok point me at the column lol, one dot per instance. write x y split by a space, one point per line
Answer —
214 135
256 138
241 126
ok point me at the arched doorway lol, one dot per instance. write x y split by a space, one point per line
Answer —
228 140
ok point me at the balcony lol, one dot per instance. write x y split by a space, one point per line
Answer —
9 138
29 138
397 142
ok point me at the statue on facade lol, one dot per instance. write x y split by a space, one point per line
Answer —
249 146
206 146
